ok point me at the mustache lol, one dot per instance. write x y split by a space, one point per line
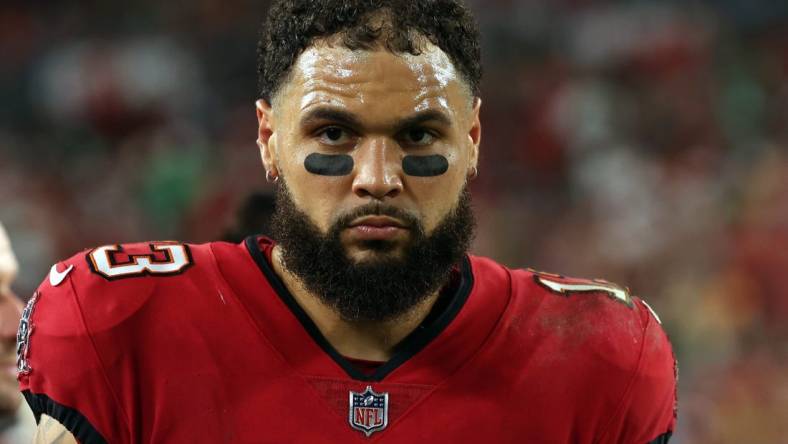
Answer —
377 209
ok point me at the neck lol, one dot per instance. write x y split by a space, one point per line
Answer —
368 340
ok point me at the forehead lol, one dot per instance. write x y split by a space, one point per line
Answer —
375 80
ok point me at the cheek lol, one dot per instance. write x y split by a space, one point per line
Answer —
438 195
319 206
316 195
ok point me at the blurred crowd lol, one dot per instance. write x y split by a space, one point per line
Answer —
643 142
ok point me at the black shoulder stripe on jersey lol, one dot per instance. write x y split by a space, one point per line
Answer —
662 439
409 346
71 419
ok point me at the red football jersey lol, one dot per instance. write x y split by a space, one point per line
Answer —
172 343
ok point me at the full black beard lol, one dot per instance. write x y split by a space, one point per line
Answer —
378 289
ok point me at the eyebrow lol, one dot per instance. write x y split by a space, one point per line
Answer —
430 115
331 114
349 119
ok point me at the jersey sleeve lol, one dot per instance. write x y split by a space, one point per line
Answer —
647 412
59 370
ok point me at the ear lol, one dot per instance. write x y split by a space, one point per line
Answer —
475 134
265 141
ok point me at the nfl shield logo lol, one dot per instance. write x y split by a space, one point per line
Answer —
369 411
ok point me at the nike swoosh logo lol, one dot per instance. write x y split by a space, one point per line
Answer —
56 278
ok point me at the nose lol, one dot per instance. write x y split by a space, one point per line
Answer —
378 170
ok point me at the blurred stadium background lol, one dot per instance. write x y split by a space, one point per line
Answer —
641 141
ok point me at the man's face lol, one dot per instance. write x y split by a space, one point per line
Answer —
350 128
10 312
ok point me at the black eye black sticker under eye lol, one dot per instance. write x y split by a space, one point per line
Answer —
425 166
329 164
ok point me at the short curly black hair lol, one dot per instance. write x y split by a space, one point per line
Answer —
293 25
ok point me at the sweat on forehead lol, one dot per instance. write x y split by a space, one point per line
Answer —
332 60
329 74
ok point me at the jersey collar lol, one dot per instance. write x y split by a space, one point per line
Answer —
410 346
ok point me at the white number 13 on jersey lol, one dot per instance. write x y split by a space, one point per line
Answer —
112 262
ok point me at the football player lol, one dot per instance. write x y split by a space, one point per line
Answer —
363 317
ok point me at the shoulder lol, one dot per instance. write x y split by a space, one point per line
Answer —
595 309
82 323
606 347
106 284
616 339
596 322
97 313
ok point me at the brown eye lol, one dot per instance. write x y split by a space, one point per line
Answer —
334 135
418 137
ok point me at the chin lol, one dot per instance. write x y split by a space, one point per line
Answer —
372 251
